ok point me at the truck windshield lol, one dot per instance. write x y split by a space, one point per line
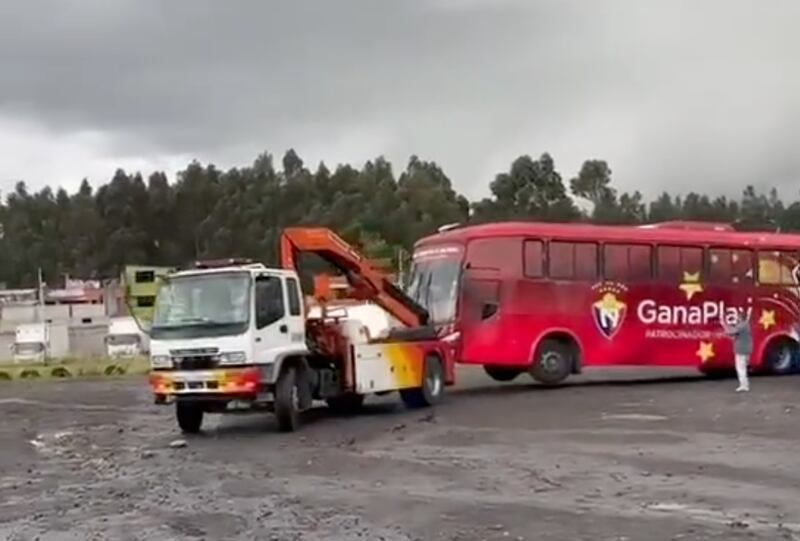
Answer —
28 348
212 304
433 283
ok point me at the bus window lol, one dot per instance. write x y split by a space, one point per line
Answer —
573 260
742 266
777 268
730 266
534 258
674 262
720 268
500 254
627 262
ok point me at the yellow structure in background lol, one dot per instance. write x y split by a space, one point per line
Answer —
141 284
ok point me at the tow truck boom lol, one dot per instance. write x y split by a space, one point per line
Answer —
368 282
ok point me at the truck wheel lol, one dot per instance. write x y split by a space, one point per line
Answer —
432 386
346 404
780 356
499 373
553 363
287 400
190 417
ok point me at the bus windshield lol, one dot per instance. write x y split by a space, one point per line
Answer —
203 304
433 283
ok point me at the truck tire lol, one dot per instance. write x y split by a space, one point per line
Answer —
432 386
346 404
501 373
190 416
553 363
287 400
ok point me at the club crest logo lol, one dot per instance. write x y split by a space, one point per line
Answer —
609 311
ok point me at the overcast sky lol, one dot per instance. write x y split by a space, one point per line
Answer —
677 95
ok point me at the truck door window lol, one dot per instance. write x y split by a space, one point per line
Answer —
294 296
269 301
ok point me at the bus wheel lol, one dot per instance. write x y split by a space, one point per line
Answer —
554 361
499 373
780 356
432 386
346 404
190 416
287 400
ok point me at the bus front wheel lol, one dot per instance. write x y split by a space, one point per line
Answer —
554 362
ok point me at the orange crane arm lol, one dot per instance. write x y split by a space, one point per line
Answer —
370 283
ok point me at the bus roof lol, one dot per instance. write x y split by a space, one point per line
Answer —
681 233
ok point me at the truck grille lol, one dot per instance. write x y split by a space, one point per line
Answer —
195 359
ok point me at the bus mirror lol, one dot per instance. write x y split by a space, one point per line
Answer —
488 310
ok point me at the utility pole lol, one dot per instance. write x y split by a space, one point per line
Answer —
40 307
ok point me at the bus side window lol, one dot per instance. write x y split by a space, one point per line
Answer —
742 267
676 263
777 268
726 266
533 258
720 268
573 260
499 254
627 262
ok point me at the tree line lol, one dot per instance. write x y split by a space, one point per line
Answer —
210 213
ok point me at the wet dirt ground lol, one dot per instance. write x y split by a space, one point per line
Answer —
606 457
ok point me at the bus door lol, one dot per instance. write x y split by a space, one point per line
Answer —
480 316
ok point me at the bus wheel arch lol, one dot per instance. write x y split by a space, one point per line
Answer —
556 356
780 355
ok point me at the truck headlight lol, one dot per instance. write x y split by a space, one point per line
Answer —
233 357
161 361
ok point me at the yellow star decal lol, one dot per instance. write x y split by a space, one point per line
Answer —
691 284
705 351
767 319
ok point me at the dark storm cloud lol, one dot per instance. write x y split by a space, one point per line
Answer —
671 93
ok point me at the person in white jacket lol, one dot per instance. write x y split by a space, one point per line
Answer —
742 348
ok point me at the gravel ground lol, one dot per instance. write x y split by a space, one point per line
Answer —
611 456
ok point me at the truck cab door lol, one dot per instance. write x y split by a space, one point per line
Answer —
272 335
296 320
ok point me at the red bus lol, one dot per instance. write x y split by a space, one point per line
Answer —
550 299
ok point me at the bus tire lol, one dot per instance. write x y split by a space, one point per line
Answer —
554 362
287 400
190 416
345 404
780 356
500 373
432 387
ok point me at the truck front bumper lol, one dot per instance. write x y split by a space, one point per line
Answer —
221 383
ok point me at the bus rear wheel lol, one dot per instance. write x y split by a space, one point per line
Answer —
780 356
500 373
553 363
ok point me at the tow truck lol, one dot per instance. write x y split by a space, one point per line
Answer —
236 336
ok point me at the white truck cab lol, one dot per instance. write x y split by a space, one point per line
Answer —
31 343
243 316
124 338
